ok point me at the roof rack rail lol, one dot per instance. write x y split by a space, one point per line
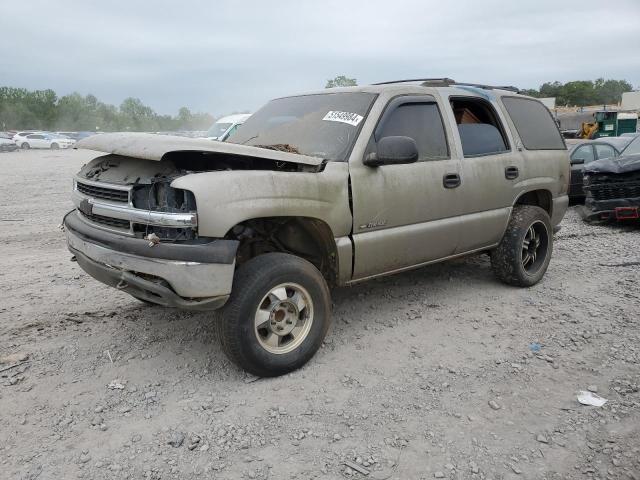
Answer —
447 82
430 80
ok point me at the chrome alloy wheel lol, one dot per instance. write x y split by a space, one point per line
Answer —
283 318
534 247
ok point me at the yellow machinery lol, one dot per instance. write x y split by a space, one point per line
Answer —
588 130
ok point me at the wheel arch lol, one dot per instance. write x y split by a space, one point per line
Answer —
540 198
306 237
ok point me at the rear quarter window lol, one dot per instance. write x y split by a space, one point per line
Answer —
534 124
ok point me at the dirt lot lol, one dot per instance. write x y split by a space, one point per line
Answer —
428 374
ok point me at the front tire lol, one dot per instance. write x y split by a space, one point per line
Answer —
55 146
25 146
522 257
277 315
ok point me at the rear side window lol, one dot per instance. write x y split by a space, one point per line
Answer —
534 124
481 132
423 123
605 151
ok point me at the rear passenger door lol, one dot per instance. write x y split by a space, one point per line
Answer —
490 169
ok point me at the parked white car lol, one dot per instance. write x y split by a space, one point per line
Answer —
22 135
226 126
43 140
7 145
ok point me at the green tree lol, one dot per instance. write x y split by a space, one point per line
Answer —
531 92
137 116
41 109
341 81
581 93
550 89
610 91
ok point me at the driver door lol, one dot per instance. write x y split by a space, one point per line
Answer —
404 215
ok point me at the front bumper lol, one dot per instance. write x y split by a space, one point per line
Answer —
608 210
191 277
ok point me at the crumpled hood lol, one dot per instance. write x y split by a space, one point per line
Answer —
150 146
622 164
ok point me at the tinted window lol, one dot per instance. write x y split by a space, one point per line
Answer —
423 123
605 151
36 137
534 124
584 153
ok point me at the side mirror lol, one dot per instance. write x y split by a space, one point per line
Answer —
393 151
577 161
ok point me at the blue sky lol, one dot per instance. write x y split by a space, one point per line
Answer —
222 57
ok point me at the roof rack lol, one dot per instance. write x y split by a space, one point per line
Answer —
448 82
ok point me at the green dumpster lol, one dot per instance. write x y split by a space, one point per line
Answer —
613 124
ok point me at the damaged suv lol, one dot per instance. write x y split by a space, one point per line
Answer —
612 186
316 191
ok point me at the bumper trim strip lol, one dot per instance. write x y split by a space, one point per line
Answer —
216 251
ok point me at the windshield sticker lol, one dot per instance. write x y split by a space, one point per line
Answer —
343 117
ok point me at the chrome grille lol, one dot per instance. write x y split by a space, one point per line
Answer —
107 221
104 193
613 191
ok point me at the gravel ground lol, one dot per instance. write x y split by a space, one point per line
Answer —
426 374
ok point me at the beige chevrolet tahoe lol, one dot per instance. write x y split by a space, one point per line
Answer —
316 191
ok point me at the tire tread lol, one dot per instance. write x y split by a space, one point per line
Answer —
505 258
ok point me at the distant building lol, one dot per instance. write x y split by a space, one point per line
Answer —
631 101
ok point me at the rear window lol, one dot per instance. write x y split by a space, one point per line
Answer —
534 124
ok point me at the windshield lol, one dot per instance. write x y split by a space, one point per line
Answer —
323 125
633 147
218 129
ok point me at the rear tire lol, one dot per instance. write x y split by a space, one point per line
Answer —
277 315
25 146
55 146
522 257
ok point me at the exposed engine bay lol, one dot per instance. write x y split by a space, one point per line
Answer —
146 185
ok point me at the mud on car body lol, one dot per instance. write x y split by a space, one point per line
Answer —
316 191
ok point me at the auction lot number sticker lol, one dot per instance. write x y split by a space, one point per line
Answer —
343 117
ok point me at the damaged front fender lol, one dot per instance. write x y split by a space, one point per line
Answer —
226 198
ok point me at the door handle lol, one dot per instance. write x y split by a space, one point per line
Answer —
511 172
451 180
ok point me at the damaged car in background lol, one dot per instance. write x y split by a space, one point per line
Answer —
316 191
612 186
